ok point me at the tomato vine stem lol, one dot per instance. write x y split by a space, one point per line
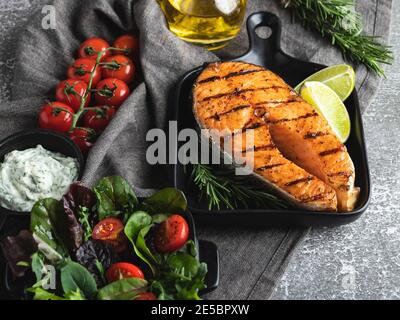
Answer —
82 108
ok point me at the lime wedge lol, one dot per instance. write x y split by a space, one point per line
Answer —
329 105
340 78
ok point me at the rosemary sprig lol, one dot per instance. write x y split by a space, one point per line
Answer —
223 188
338 21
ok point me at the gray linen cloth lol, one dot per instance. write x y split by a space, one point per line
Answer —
252 260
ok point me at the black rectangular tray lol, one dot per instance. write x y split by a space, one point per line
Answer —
267 53
11 289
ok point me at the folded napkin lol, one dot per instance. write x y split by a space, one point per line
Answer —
252 260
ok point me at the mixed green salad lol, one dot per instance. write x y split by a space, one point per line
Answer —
102 243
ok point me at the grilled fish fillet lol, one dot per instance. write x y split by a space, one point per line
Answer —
295 150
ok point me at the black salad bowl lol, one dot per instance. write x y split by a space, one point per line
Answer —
12 289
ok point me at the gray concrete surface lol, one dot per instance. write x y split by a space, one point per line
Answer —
358 261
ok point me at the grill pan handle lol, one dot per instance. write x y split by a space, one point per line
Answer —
265 45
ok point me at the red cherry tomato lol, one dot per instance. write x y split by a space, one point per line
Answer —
111 230
111 92
98 118
56 116
146 296
83 138
92 46
119 67
172 234
123 270
71 92
129 43
81 69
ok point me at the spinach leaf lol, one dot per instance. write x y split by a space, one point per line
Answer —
114 197
76 277
136 228
40 220
183 265
169 200
124 289
43 230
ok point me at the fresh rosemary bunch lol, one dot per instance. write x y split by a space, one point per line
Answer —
223 188
338 21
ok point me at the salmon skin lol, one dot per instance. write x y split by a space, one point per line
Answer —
296 153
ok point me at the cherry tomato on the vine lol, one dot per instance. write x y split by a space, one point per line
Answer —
119 67
111 230
123 270
56 116
92 46
111 92
83 138
98 118
146 296
71 93
81 70
172 234
129 43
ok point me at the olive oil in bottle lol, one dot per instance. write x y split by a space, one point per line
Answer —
209 23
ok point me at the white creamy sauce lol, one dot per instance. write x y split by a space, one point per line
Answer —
34 174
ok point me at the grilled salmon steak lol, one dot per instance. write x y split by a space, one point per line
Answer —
295 151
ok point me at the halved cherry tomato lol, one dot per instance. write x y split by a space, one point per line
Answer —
71 92
56 116
123 270
129 43
81 69
119 67
172 234
111 92
92 46
98 118
146 296
111 230
83 138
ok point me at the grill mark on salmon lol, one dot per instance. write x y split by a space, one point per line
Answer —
260 148
269 167
331 151
234 109
288 101
313 198
314 135
302 180
306 116
346 174
230 75
237 92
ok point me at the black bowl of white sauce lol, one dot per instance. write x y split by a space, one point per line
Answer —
43 160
